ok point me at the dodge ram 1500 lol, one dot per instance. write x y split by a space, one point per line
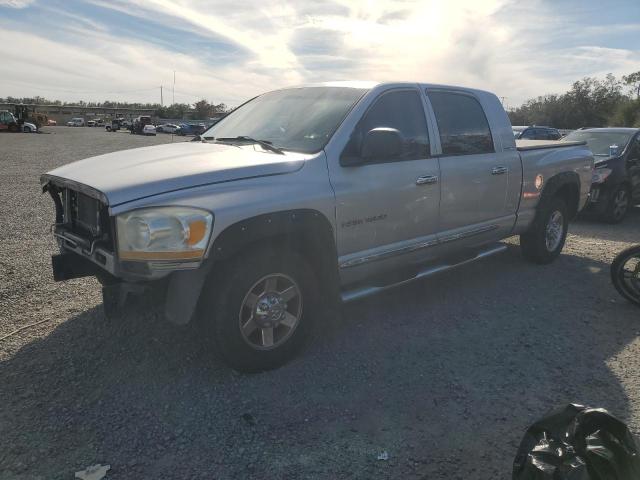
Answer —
304 197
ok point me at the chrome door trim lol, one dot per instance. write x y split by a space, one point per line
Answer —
388 253
468 233
416 246
499 170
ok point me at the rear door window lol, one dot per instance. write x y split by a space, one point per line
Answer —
463 126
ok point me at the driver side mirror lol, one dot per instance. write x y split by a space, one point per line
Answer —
379 144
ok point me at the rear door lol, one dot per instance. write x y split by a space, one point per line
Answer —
475 172
387 211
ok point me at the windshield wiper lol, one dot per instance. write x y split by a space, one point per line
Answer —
263 143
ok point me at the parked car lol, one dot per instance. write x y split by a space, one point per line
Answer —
536 133
149 130
167 128
184 129
51 123
76 122
91 123
137 127
616 179
115 125
28 127
304 197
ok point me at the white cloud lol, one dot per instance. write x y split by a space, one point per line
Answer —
516 49
16 3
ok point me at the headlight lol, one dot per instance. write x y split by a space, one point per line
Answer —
163 233
600 175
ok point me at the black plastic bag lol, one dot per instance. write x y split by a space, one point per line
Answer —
577 443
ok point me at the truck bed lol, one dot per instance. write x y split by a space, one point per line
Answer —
523 145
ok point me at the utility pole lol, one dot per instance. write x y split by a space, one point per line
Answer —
174 87
161 102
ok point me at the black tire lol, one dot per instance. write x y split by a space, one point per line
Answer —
27 130
626 282
618 205
533 244
108 129
160 130
221 311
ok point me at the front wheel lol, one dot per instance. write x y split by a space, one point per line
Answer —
544 241
625 274
27 129
260 310
618 205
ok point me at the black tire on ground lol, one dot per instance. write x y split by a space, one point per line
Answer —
618 205
627 283
226 306
544 241
27 129
108 129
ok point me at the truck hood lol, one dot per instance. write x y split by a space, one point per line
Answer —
129 175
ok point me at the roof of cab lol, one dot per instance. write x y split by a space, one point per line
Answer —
369 85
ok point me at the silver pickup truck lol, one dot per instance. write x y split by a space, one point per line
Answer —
303 197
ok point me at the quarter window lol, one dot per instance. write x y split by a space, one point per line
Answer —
463 126
401 110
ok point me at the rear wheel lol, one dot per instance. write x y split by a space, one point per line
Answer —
544 242
27 130
260 310
618 205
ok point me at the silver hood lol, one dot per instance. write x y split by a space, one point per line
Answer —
128 175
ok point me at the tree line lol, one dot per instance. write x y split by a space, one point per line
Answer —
198 110
590 102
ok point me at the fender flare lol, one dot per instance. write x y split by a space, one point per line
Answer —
304 230
560 182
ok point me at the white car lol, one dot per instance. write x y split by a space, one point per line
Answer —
28 127
167 128
76 122
149 130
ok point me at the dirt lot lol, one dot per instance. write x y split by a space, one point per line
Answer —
443 375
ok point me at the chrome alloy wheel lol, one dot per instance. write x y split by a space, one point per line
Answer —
554 231
271 311
620 204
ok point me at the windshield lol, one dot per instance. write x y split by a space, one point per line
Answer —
599 142
298 119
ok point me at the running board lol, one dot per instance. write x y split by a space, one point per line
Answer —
366 291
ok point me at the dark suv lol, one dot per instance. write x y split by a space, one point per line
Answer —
616 178
536 133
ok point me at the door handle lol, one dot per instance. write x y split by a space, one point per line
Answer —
499 170
427 179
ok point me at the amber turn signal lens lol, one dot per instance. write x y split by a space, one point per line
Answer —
197 231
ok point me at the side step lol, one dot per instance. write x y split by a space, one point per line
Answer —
366 291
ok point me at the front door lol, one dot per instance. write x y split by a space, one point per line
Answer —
475 175
387 209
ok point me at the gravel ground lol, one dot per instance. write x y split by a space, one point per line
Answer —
443 375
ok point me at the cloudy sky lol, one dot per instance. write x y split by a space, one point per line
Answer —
229 50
